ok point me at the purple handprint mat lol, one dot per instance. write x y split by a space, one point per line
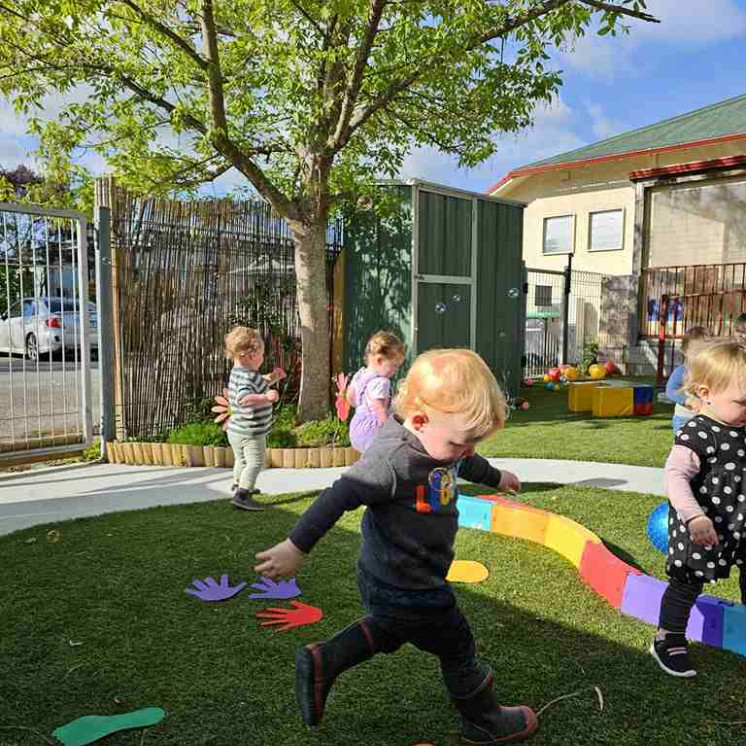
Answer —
209 590
271 590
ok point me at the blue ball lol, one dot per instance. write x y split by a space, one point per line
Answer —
658 528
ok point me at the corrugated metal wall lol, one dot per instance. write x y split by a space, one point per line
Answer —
378 278
500 299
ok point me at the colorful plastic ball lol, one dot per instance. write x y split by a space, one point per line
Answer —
556 387
658 528
529 382
597 371
549 385
554 374
545 378
572 374
610 368
525 405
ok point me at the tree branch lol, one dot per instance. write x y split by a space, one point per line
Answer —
361 60
508 26
164 30
623 11
308 17
219 135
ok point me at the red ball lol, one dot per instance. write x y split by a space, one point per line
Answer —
554 374
610 368
525 405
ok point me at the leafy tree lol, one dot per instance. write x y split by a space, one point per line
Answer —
309 99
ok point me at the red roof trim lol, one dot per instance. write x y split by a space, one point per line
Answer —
689 168
616 157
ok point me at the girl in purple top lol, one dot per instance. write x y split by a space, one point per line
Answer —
370 389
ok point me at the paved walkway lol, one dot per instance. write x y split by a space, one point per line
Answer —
48 495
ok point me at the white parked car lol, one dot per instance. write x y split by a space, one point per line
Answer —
43 326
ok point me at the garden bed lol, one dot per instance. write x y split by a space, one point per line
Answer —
175 454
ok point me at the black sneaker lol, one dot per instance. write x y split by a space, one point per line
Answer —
672 655
242 499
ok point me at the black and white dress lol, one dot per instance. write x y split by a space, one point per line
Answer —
719 488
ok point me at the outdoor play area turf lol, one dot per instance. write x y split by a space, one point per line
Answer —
96 621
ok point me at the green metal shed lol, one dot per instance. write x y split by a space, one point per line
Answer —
444 270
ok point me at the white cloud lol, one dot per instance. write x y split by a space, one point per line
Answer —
683 23
601 125
551 133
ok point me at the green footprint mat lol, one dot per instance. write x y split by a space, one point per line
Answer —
90 728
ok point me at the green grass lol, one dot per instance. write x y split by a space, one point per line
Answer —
115 585
549 430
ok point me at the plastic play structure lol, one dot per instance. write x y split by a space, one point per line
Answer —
714 621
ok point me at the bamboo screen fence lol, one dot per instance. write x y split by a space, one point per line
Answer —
183 274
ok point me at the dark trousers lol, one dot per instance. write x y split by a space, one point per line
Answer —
431 621
678 600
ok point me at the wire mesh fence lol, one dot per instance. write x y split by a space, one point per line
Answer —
183 274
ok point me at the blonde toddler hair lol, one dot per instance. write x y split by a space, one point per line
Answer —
455 381
386 344
242 339
716 365
695 335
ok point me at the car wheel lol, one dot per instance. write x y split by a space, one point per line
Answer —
32 347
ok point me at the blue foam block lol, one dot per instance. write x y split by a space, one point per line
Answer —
474 513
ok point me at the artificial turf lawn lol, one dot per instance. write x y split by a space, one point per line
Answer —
98 623
549 430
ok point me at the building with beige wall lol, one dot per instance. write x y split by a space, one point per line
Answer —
661 209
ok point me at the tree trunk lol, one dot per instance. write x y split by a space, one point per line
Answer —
310 274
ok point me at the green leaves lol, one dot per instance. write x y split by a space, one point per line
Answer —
319 97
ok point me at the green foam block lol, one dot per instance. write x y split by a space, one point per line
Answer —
90 728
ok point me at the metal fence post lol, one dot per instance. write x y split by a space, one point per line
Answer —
105 325
566 309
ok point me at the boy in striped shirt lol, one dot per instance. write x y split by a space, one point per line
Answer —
251 402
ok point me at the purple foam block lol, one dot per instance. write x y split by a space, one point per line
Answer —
712 611
642 600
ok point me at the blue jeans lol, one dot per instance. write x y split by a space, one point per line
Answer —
431 621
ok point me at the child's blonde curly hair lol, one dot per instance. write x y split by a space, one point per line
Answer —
386 344
242 339
455 381
716 365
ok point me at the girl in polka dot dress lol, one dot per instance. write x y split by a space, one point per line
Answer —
705 482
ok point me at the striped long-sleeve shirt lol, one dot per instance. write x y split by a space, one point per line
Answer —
251 419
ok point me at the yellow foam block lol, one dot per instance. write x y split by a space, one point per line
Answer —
580 396
613 402
467 571
522 524
568 538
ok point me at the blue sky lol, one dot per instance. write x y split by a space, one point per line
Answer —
695 57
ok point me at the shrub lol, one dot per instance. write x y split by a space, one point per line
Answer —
198 434
330 431
281 439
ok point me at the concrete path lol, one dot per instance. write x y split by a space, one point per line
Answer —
57 494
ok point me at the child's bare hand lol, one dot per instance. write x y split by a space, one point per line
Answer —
283 560
702 531
509 482
273 395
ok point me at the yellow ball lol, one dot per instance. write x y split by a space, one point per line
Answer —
597 371
546 378
572 374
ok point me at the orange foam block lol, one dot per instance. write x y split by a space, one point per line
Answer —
568 538
519 522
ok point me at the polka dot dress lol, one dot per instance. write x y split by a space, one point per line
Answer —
719 488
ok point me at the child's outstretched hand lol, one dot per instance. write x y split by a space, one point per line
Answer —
273 395
281 561
702 531
509 482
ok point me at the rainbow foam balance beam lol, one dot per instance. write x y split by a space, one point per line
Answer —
714 621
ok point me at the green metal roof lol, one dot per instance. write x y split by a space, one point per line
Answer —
717 120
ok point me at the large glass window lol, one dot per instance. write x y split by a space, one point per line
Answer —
697 223
559 233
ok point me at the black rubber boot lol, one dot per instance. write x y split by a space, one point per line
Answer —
318 665
484 721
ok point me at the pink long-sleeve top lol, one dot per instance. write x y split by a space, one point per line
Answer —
682 466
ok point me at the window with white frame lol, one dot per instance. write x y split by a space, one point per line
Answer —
606 230
559 234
